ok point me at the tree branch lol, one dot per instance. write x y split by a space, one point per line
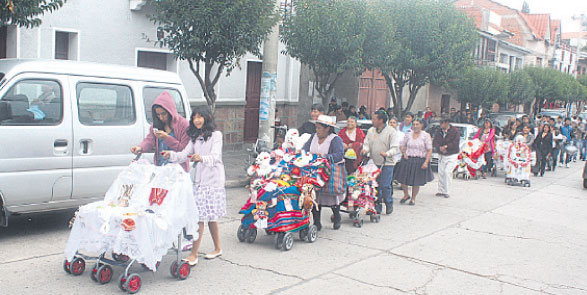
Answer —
196 73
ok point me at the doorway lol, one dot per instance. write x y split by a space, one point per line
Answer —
253 97
445 104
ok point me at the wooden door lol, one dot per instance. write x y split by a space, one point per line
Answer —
373 91
3 41
253 97
445 104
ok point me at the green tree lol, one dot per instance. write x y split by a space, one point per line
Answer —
521 89
482 86
416 43
327 36
582 79
25 13
545 85
215 34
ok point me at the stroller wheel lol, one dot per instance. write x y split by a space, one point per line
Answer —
287 242
374 218
173 269
312 234
77 267
278 240
358 222
304 233
241 233
104 274
122 282
94 272
66 266
184 270
251 235
133 283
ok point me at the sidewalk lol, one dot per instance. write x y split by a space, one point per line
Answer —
235 168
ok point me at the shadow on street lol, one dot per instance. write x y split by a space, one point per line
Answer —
36 223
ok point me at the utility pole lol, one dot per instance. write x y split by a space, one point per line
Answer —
269 85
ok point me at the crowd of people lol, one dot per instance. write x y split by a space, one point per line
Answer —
403 149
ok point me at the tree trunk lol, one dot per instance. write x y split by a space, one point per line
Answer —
207 83
413 93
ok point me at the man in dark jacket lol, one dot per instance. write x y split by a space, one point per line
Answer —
310 126
446 143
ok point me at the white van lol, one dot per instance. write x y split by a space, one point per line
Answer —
66 129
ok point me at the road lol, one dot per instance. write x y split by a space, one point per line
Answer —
488 238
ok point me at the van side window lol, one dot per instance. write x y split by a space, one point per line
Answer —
32 102
105 104
151 93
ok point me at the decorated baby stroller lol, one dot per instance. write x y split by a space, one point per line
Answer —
520 160
500 158
145 210
470 160
362 194
282 198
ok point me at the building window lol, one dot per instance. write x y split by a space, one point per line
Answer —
491 49
519 63
156 60
539 61
8 41
512 63
503 58
66 45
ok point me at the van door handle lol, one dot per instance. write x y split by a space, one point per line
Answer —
60 143
85 146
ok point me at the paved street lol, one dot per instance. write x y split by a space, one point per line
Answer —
487 239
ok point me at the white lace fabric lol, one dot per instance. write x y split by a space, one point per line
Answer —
98 226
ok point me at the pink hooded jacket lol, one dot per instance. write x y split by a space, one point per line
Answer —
178 123
490 138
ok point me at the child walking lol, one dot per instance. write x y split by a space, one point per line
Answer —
205 151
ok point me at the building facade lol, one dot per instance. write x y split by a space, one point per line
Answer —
117 32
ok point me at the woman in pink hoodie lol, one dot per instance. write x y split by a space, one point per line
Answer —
486 135
168 132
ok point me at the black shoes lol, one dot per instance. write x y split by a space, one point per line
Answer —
388 209
337 219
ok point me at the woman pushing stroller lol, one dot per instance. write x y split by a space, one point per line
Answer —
205 150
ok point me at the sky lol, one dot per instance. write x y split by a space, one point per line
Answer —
558 9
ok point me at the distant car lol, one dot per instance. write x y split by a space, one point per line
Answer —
553 113
467 132
501 119
362 124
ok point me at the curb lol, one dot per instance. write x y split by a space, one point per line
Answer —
236 183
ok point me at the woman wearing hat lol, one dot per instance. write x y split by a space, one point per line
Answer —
327 144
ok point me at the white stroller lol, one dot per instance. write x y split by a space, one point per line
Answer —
145 210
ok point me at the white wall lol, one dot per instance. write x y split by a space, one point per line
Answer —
110 32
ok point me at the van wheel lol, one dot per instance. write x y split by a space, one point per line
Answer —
3 215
